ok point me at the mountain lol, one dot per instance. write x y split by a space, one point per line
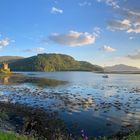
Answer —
9 58
121 68
89 67
52 62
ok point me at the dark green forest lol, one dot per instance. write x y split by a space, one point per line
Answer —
52 62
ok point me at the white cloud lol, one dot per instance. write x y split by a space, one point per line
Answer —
135 29
112 3
35 50
85 3
130 22
4 42
133 15
56 10
119 25
107 48
97 31
73 38
136 55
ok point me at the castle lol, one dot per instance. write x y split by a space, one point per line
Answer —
5 68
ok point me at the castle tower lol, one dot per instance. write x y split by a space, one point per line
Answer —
5 66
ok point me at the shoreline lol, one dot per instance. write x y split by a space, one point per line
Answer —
98 72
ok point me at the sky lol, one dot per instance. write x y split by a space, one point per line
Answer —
103 32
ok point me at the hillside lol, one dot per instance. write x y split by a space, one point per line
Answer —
9 58
52 62
121 68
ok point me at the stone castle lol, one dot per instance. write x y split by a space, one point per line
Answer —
5 68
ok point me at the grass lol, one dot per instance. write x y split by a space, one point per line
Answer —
134 136
12 136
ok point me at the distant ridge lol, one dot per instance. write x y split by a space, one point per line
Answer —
121 68
9 58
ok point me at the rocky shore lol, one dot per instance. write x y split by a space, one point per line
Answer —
34 122
39 123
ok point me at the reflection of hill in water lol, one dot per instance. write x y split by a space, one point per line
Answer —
43 81
16 79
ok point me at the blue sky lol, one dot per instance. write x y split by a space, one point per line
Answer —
104 32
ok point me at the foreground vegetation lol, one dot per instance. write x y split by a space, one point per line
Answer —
134 136
13 136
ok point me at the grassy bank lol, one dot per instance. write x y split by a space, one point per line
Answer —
134 136
13 136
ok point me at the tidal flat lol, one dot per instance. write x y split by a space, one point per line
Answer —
81 101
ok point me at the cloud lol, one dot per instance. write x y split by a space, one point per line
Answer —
130 22
85 3
73 38
107 48
112 3
97 31
4 42
119 25
136 55
133 15
35 50
131 37
135 29
55 10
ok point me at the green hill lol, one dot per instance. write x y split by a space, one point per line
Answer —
52 62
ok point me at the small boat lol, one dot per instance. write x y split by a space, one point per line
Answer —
105 76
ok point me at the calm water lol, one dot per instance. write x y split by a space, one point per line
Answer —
84 100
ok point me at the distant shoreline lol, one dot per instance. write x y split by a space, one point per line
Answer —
121 72
100 72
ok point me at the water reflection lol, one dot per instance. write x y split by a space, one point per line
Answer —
19 79
43 82
4 80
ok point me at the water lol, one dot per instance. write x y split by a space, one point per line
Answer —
84 100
